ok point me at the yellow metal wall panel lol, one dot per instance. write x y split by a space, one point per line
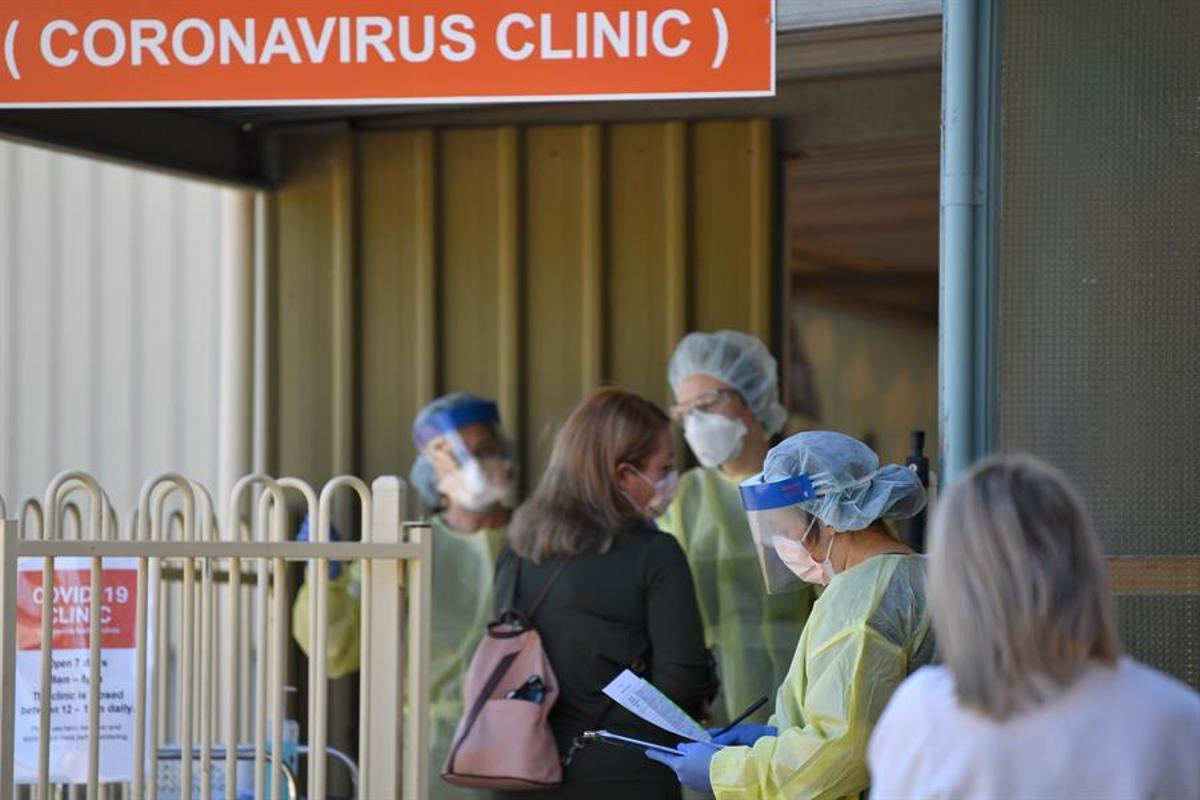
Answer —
731 196
646 241
562 219
528 265
477 329
397 303
306 259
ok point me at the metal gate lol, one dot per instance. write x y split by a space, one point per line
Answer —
225 706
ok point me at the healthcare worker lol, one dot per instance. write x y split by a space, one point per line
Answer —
464 474
819 513
727 401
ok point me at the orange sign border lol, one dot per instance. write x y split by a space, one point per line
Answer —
581 76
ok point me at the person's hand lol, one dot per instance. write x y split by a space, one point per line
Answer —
335 567
692 767
744 734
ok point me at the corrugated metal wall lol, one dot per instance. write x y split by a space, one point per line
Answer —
528 264
109 308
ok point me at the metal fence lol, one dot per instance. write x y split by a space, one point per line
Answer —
83 665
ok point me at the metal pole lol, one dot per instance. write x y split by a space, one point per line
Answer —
237 341
958 200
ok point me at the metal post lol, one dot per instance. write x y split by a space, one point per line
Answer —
319 607
383 604
970 158
420 598
237 340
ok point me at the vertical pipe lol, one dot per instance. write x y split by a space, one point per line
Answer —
318 723
420 594
366 674
958 201
237 339
311 505
141 631
158 678
207 661
384 656
187 661
94 637
315 654
43 783
233 662
245 665
278 677
320 688
262 652
99 526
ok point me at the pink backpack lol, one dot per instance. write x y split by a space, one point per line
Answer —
504 740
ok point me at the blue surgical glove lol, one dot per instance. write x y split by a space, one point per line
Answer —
745 734
335 567
692 767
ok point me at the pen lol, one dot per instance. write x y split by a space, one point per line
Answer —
762 701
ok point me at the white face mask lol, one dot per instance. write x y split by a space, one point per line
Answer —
664 493
797 558
478 485
714 438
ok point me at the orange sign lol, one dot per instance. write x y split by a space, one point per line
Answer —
72 605
318 52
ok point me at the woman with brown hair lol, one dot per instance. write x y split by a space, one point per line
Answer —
624 598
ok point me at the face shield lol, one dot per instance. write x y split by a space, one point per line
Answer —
469 454
773 509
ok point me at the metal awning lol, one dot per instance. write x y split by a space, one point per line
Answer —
816 38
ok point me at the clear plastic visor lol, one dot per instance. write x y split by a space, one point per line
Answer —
791 523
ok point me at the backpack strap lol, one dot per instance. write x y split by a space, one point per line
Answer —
511 614
541 598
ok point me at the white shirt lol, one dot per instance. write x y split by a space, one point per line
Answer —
1126 733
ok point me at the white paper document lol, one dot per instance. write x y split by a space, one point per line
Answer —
641 698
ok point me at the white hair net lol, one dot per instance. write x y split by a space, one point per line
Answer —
423 476
740 360
852 489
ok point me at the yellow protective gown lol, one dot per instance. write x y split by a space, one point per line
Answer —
753 634
868 631
463 566
343 640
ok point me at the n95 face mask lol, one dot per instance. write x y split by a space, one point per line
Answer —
714 438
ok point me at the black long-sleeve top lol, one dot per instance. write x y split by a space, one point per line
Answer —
605 612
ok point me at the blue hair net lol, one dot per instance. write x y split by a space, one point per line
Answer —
741 361
445 414
852 489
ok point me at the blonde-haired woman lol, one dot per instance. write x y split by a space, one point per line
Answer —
1034 698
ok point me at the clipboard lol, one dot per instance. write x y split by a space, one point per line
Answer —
610 738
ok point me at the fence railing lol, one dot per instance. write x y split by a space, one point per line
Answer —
90 609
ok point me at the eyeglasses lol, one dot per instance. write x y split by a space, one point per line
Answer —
707 403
